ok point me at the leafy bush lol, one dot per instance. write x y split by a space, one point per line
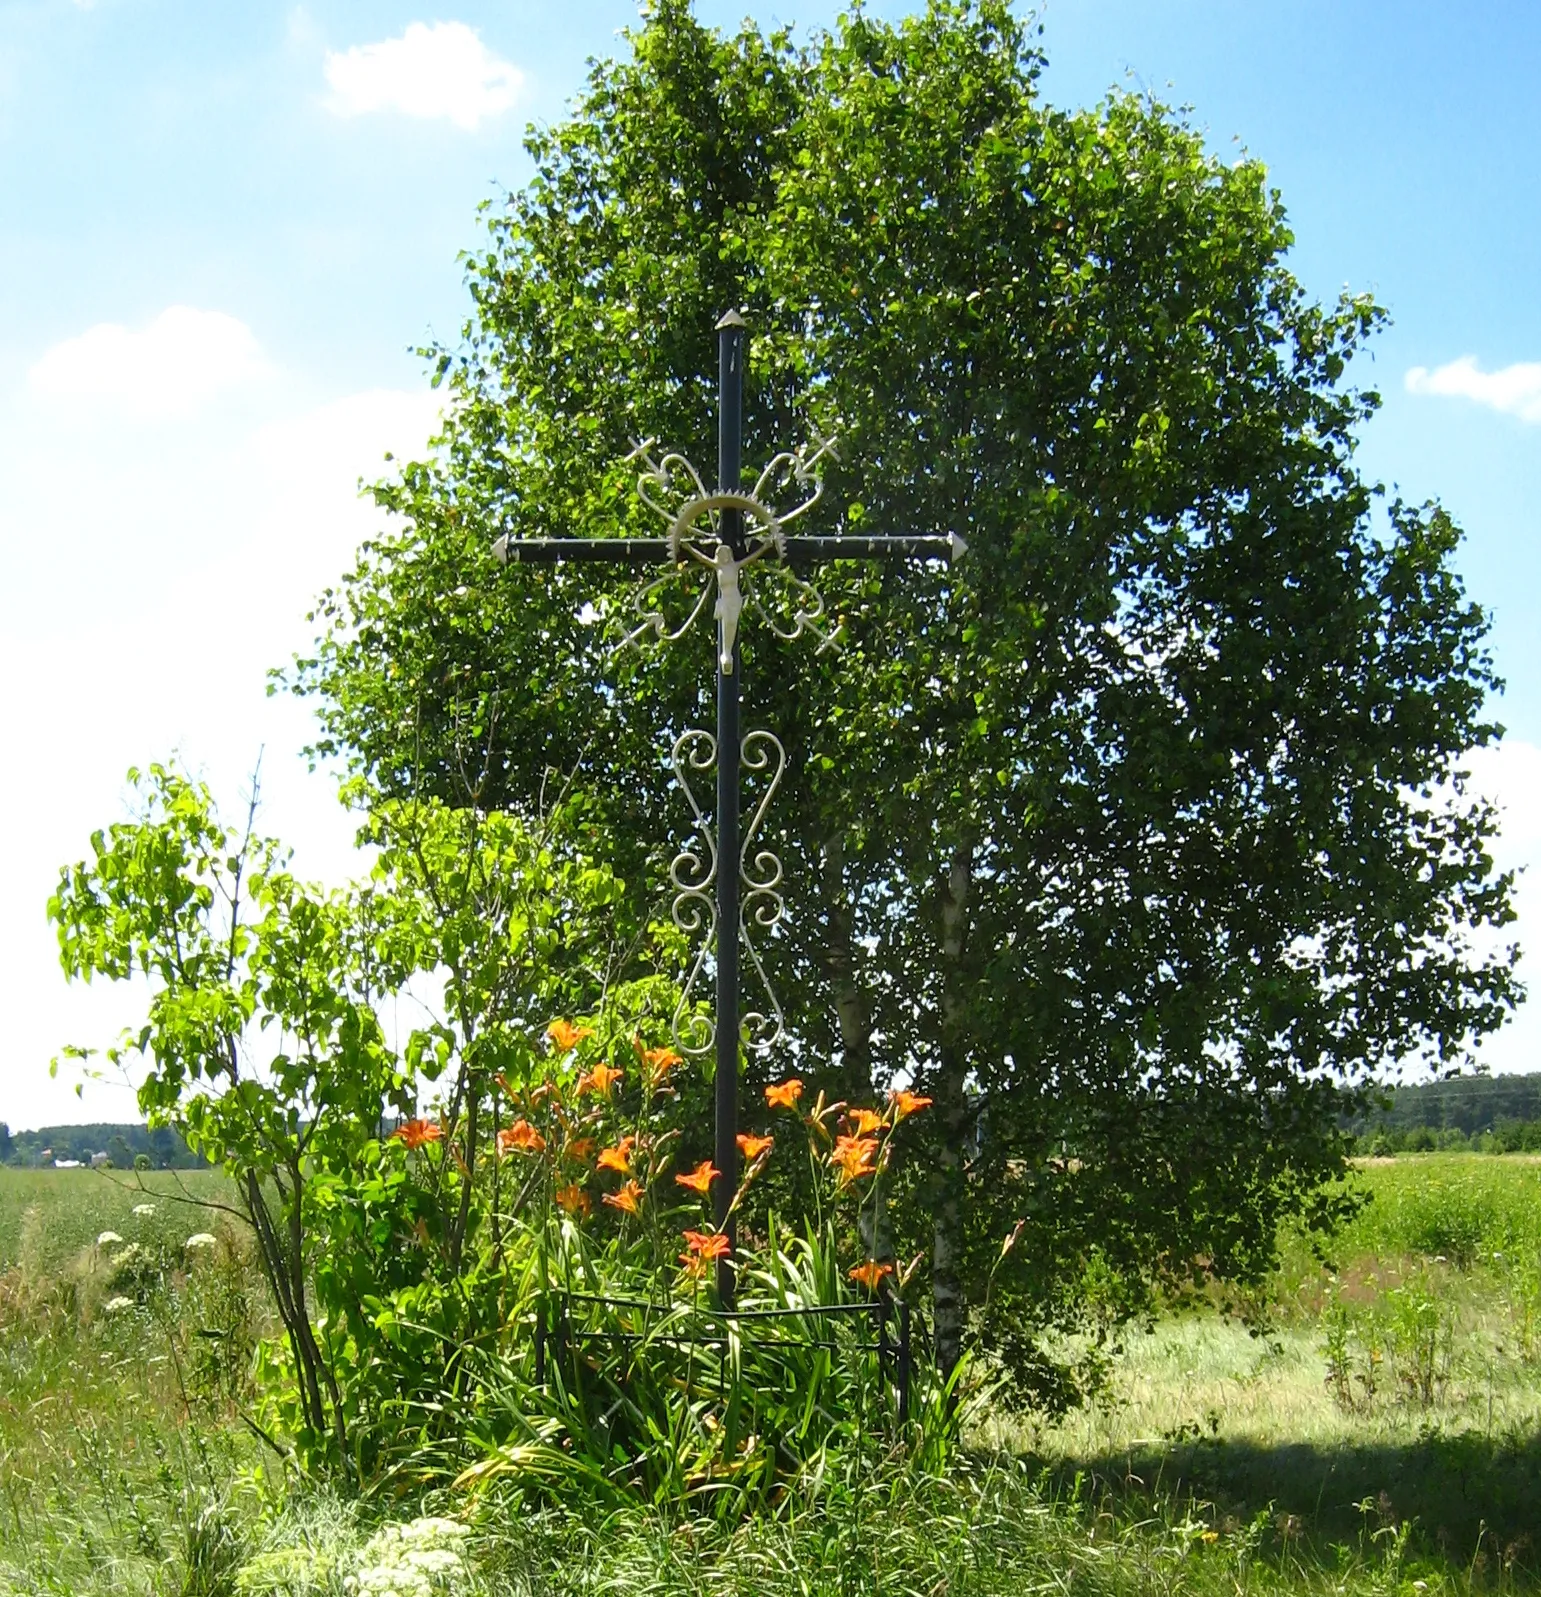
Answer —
1404 1342
412 1257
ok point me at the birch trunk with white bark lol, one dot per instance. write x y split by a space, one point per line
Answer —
952 1111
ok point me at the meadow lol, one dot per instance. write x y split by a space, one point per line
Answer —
1370 1423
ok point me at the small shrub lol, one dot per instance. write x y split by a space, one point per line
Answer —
1337 1349
210 1552
1422 1338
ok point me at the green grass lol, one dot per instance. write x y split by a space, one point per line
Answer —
1221 1460
1400 1368
121 1366
1462 1207
47 1217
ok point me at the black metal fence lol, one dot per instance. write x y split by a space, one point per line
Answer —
556 1336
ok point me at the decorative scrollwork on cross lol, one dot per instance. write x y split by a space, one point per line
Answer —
694 874
760 872
672 488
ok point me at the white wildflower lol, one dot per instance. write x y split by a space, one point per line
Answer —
418 1559
107 1239
201 1239
432 1529
117 1305
144 1210
284 1571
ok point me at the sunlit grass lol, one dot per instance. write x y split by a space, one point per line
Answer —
1201 1376
1221 1459
48 1216
1428 1405
1461 1207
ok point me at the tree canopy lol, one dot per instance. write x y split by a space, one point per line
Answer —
1138 840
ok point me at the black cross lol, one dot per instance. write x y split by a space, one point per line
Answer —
732 342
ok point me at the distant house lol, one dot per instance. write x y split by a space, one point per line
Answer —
68 1164
101 1161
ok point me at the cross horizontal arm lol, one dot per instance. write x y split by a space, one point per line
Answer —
509 551
853 546
654 551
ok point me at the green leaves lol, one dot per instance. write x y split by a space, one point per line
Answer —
263 1045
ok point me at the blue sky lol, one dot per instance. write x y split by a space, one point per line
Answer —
224 228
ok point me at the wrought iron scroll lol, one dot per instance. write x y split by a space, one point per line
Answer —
672 488
760 873
807 607
653 620
694 875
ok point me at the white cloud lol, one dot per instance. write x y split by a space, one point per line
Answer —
147 590
181 359
437 70
1515 390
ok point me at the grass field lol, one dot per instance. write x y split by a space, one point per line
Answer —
1377 1429
48 1216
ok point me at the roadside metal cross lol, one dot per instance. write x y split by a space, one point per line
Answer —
718 892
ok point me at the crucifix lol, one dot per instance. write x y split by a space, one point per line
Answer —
724 882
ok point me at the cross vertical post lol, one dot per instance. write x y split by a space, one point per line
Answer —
730 437
722 882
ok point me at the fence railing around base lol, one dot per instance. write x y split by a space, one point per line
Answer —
556 1336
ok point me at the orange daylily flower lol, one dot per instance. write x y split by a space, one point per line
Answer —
701 1178
567 1036
628 1197
573 1199
416 1132
863 1122
538 1095
870 1273
703 1247
752 1147
784 1095
521 1137
817 1119
658 1062
907 1103
854 1156
600 1079
581 1149
617 1158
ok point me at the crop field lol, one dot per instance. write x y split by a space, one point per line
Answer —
1373 1423
49 1218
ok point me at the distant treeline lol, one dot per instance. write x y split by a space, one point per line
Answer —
1490 1114
123 1145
